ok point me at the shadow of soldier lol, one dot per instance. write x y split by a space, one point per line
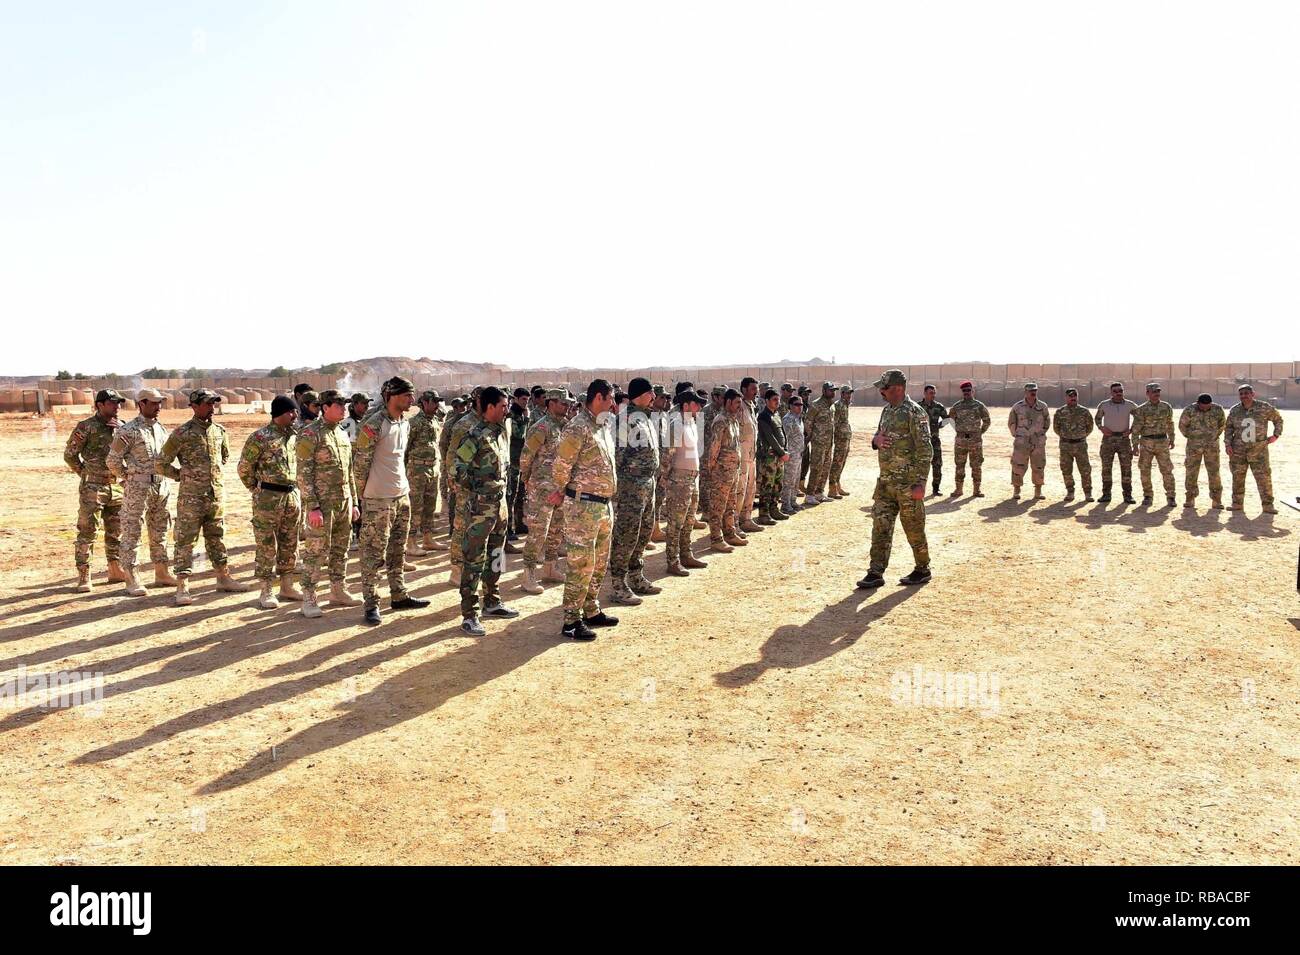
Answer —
835 628
1254 528
1011 507
1200 525
1142 517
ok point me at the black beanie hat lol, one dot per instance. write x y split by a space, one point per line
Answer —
637 387
280 404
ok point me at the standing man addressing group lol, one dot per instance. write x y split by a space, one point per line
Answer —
1153 425
1115 418
100 493
1028 422
1072 424
146 497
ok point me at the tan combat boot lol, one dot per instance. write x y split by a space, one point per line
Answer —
551 572
228 583
162 575
115 573
183 595
339 596
428 543
956 492
530 584
731 537
310 608
287 589
657 535
975 491
84 586
133 587
267 599
676 570
718 540
1038 492
1217 503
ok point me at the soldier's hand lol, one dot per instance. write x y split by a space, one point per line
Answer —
356 513
918 492
786 457
884 440
1274 438
315 519
555 498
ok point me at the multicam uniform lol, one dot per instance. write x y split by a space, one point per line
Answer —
935 413
99 495
268 468
482 481
636 461
1072 427
971 418
720 467
324 465
1153 433
681 470
1201 430
146 496
747 478
843 439
584 468
379 474
819 425
706 424
202 449
536 464
1028 425
422 471
1246 435
452 436
905 464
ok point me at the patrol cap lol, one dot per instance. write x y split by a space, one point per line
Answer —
893 376
397 385
199 395
362 396
846 388
557 394
1072 391
804 390
107 394
690 395
309 398
1031 386
786 386
828 384
1204 398
1245 387
458 401
718 391
148 394
657 389
330 396
1153 386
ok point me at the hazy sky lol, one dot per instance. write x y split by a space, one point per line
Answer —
620 183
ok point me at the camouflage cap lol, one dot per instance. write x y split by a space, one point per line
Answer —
787 386
1153 386
828 384
107 394
658 390
558 394
430 394
397 385
199 395
718 391
893 376
309 398
804 389
1072 391
359 396
459 400
846 388
148 394
1031 386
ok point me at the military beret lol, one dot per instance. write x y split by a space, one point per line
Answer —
148 394
107 394
965 384
1031 386
1153 386
890 378
200 395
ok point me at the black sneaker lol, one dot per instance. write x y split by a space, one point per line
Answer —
1146 502
917 576
578 631
500 610
871 581
409 603
1104 499
372 615
1128 499
601 619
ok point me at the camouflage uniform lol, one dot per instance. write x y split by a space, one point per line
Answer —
1118 444
385 521
518 421
819 425
268 458
905 464
448 444
1072 427
706 423
1246 435
843 439
792 425
482 481
771 449
584 464
99 495
202 448
1028 426
971 418
718 469
681 488
1153 433
146 497
935 413
1201 430
636 462
422 471
536 462
324 465
747 479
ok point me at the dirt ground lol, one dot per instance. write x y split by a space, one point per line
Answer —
1137 670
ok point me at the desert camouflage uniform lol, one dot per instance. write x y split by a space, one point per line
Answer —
385 521
99 495
843 439
584 464
1153 433
422 456
269 456
202 448
536 464
971 418
452 435
1246 435
707 415
482 481
324 465
747 479
1201 430
1028 426
636 462
819 425
1116 445
1072 427
905 464
718 469
935 413
792 424
146 497
681 488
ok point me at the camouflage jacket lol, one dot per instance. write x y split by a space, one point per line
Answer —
518 420
792 424
747 425
1245 428
482 460
1027 422
269 456
819 419
906 462
453 432
970 416
86 452
134 452
1155 418
584 461
1202 428
422 451
637 454
202 448
537 460
842 427
935 412
1072 423
324 457
722 445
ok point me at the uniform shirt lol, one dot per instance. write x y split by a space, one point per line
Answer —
747 424
1072 423
1202 428
906 462
379 459
682 442
1246 428
86 452
518 431
722 448
482 459
135 448
935 412
971 417
453 434
324 458
771 435
584 460
537 460
1157 418
269 455
842 427
1029 422
423 452
201 447
793 427
1116 415
819 419
637 454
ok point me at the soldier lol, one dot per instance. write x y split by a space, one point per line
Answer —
537 407
1028 423
747 481
636 462
773 455
902 439
545 521
1115 418
805 393
379 474
308 409
843 438
1246 439
787 394
1200 425
518 431
422 474
1153 427
681 469
100 493
792 424
706 422
819 425
935 412
202 448
268 468
482 482
1072 424
358 407
146 497
453 434
585 482
329 498
971 419
720 469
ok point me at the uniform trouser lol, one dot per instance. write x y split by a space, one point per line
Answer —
661 490
820 469
893 503
936 462
722 497
545 525
483 545
385 522
424 480
148 504
1072 453
806 464
790 477
327 545
1113 446
98 503
681 496
1255 457
275 532
516 523
839 457
634 516
1156 449
199 508
587 529
1028 453
748 483
770 470
1192 457
971 448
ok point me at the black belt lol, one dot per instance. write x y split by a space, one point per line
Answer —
1072 440
282 488
969 434
1154 437
584 496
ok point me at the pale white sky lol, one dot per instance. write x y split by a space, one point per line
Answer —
616 183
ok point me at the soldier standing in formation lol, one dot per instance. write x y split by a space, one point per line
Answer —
1115 418
720 470
843 436
536 471
268 468
100 494
329 499
902 439
1028 422
747 424
710 412
1200 425
1246 439
146 497
805 394
453 434
422 473
201 447
935 412
819 425
519 421
792 425
1153 427
636 461
681 467
971 419
773 455
1072 424
358 406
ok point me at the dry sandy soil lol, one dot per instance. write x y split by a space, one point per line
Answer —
1145 709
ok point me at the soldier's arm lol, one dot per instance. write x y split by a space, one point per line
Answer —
1185 421
163 466
247 468
1011 422
363 454
921 449
116 453
305 452
72 450
566 456
466 452
712 443
1099 419
534 438
225 447
986 418
1222 419
1056 422
1276 417
1089 425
